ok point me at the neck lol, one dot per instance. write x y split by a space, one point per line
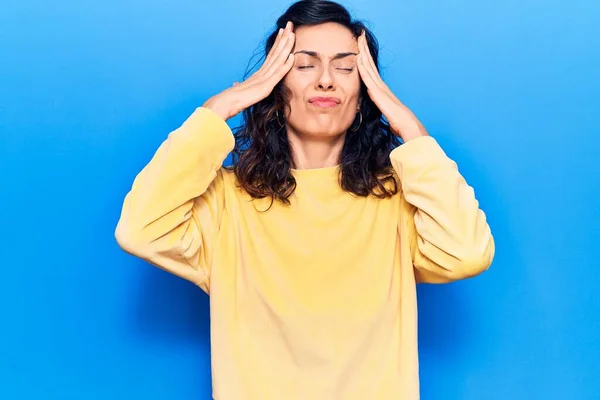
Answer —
310 152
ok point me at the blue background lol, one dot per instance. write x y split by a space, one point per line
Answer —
89 89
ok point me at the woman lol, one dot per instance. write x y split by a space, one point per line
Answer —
312 243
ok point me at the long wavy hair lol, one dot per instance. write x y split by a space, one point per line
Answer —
262 158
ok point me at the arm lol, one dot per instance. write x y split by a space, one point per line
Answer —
171 215
449 236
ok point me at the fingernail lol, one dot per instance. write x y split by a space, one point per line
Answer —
288 24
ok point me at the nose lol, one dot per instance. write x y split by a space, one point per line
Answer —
325 81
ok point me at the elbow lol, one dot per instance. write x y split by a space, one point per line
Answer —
474 261
470 267
130 240
466 261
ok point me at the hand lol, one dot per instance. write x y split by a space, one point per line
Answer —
279 61
402 121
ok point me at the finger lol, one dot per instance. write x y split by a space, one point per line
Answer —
278 46
375 71
282 58
285 38
263 86
378 90
365 73
277 39
367 51
282 71
364 57
371 69
280 35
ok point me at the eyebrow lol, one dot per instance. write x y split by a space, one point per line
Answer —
335 57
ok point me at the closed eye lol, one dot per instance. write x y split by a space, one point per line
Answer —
340 69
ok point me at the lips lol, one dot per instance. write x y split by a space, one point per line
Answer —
325 102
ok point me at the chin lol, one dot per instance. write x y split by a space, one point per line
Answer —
317 130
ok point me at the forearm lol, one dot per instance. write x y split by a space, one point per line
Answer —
451 236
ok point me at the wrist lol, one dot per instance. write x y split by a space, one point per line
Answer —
412 131
219 107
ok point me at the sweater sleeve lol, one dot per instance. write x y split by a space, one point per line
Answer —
448 233
172 213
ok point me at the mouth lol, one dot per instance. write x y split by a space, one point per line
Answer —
325 102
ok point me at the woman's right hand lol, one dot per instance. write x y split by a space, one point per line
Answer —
279 61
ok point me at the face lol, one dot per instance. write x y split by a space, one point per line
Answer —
324 67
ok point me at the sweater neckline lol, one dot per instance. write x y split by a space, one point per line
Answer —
316 172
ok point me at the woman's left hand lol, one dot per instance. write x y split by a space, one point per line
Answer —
402 121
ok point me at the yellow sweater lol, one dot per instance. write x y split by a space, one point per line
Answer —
315 300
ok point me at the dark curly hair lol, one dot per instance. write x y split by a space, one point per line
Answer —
262 156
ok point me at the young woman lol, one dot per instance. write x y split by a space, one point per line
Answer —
311 244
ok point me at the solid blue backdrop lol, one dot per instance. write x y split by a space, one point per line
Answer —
89 89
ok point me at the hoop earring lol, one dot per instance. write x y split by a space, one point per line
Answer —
359 123
278 120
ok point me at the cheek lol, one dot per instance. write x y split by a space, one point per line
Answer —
352 85
353 97
296 98
297 85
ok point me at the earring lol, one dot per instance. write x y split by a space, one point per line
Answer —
359 123
279 120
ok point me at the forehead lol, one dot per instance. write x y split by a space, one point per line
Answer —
327 39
